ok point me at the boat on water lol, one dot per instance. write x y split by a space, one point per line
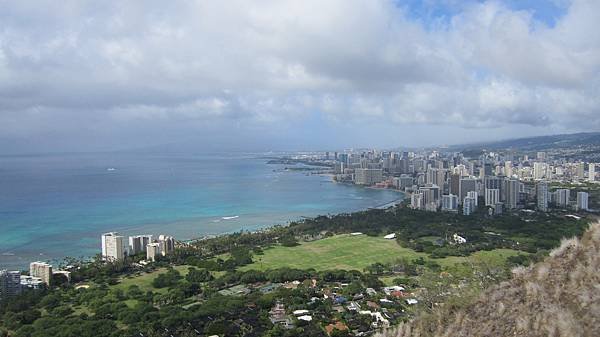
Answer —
111 169
230 217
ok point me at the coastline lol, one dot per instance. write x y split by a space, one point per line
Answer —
19 258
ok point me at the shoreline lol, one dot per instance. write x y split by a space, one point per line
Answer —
257 228
270 227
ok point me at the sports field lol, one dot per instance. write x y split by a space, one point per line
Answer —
353 252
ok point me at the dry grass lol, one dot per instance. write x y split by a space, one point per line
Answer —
559 297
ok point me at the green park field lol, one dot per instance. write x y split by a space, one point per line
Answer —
354 253
144 280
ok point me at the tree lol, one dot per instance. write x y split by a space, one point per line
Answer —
198 275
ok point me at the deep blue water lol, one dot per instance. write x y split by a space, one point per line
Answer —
54 206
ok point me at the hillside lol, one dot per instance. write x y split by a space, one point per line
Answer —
558 297
538 143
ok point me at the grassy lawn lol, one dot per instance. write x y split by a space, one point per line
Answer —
144 281
337 252
492 257
355 252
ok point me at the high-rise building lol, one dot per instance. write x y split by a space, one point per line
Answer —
431 194
580 170
152 251
541 156
138 243
539 170
592 172
473 195
492 196
450 202
508 169
542 196
405 181
42 270
367 176
416 201
582 201
112 247
469 205
10 284
467 185
562 197
167 244
487 169
511 191
436 176
455 184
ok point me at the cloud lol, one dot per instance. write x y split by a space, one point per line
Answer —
200 65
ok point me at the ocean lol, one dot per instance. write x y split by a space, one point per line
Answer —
52 206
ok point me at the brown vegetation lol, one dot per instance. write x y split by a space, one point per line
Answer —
559 297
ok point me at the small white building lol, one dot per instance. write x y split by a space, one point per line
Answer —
411 301
458 239
300 312
306 318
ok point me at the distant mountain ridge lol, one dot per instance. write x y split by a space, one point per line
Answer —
538 143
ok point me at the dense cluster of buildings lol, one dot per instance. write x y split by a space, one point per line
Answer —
453 183
115 248
41 275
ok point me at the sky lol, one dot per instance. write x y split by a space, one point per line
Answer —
293 75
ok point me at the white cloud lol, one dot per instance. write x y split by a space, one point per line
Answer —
277 62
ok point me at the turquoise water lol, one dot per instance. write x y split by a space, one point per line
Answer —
54 206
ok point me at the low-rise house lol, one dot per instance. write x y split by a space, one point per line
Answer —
379 320
353 306
389 290
337 326
339 299
373 305
385 301
277 316
269 288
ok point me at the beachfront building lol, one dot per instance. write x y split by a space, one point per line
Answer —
167 244
138 243
368 176
10 284
112 247
31 282
41 270
152 251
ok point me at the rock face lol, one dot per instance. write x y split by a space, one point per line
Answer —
559 297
